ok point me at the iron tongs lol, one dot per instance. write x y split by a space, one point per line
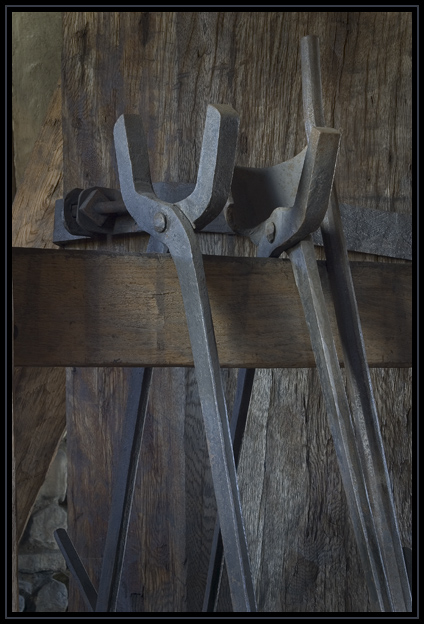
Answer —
174 226
279 208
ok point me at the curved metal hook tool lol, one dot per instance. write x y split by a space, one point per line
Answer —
173 225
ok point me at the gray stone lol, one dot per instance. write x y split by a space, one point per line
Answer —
31 562
43 523
26 587
52 598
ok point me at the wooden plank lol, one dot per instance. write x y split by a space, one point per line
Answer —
39 402
92 308
168 66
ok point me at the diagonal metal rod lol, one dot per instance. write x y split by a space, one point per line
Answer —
122 497
394 593
123 490
238 420
76 567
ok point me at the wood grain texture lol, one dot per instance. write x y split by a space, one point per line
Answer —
296 517
98 396
39 403
39 426
168 66
33 206
92 308
167 61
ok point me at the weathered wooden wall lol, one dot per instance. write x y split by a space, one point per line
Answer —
168 66
35 54
39 393
38 415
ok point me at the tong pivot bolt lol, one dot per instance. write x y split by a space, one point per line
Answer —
159 222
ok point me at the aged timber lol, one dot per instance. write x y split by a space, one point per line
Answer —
99 308
39 393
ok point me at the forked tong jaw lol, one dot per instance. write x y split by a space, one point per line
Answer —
215 171
288 225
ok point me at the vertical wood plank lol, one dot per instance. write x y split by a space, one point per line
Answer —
155 556
159 513
39 404
94 426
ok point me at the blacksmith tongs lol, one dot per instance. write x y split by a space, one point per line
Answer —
278 208
174 225
172 228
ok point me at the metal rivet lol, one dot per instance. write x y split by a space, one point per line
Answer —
270 231
159 222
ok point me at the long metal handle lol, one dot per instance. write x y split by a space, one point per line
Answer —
189 264
308 283
238 420
396 592
364 413
173 226
122 497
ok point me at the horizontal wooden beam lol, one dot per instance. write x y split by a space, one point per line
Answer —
96 308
